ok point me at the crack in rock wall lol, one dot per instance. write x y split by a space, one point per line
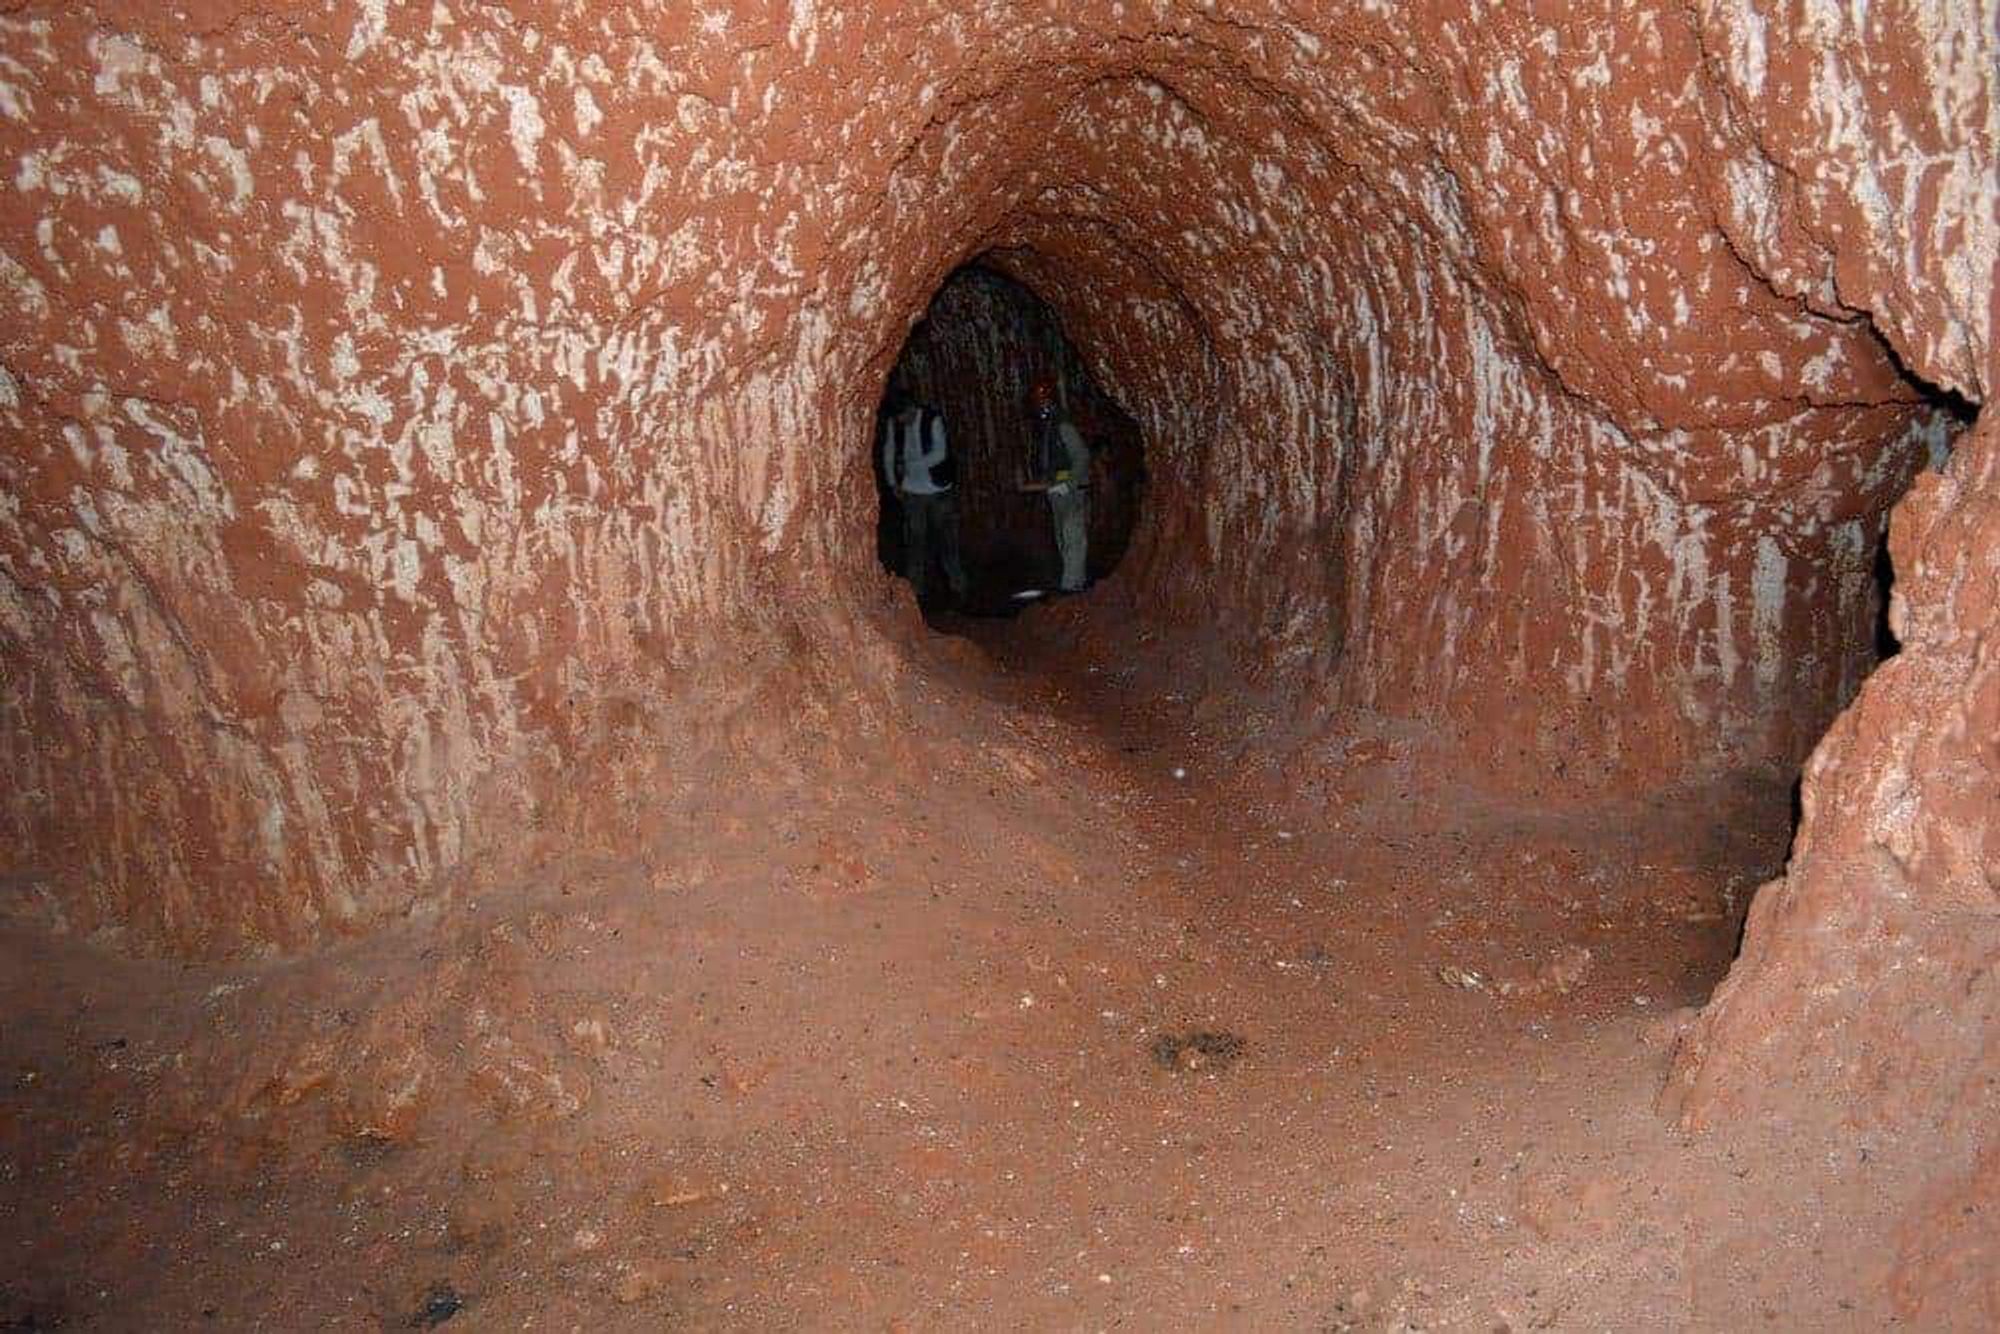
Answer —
388 386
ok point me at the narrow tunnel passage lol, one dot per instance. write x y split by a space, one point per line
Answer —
976 359
487 828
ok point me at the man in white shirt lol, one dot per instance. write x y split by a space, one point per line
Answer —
917 462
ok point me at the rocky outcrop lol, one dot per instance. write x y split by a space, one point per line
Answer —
1869 983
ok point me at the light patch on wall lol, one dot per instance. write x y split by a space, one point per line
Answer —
237 163
272 830
1597 74
525 128
405 567
869 289
588 116
117 57
151 337
1767 611
367 134
117 659
369 28
30 174
185 456
120 186
800 35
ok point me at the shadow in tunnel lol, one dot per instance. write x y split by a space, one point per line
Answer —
967 471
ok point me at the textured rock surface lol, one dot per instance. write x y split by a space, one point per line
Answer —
1869 982
386 383
1870 975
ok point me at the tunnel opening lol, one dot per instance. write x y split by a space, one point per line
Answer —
989 384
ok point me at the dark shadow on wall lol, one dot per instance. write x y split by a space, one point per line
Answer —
1886 643
983 344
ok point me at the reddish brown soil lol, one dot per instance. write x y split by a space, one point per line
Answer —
885 1050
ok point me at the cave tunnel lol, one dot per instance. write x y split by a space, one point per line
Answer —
985 342
1506 837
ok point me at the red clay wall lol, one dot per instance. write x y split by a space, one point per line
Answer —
1868 989
386 386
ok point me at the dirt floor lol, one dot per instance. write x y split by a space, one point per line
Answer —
1068 1009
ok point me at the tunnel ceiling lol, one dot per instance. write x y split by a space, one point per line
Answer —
389 386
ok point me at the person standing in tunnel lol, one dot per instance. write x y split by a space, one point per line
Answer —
918 467
1061 467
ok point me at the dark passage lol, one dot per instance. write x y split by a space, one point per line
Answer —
977 357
